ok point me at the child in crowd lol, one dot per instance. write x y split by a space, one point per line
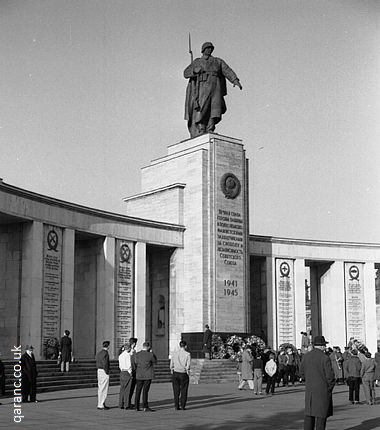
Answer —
271 371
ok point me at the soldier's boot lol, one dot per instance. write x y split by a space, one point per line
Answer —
210 125
201 128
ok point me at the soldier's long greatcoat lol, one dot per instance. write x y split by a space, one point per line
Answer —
319 379
206 90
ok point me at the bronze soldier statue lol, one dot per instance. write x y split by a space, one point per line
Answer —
205 105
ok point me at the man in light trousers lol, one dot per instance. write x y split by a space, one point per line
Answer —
125 366
103 366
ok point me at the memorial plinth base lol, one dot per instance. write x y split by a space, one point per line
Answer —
202 184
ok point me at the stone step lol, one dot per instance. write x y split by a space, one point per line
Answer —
212 371
81 375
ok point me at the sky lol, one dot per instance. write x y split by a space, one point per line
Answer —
92 91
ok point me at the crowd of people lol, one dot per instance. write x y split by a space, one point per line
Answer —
354 367
137 372
268 366
257 368
319 367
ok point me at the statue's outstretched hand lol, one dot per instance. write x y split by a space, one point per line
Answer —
237 83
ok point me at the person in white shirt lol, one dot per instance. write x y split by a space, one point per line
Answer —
180 368
125 366
271 371
132 343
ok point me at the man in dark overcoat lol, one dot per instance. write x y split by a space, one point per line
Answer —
144 361
65 350
319 378
28 375
207 342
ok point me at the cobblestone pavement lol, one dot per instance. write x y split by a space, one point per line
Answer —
210 406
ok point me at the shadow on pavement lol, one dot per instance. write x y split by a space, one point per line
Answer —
371 424
283 420
202 402
62 398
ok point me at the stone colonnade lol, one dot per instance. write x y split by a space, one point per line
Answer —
329 290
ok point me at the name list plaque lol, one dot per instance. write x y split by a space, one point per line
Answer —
285 301
124 291
355 320
52 282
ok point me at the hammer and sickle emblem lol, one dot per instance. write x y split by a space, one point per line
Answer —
230 186
52 240
285 269
125 253
354 273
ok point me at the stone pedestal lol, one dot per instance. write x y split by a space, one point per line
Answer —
202 184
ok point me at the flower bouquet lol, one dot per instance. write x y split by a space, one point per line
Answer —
51 346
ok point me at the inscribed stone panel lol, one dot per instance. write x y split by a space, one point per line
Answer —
52 282
355 319
124 291
285 301
230 234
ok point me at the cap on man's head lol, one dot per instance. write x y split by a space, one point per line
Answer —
29 348
207 326
207 45
146 345
319 341
106 344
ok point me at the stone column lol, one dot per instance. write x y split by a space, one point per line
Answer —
332 303
140 292
68 252
176 299
370 306
31 287
271 302
10 286
299 300
105 315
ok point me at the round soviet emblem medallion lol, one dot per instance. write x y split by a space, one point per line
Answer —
125 253
230 186
52 240
285 269
354 273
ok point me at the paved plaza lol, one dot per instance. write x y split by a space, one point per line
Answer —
210 406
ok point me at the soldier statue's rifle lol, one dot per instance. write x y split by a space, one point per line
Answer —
190 51
194 81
